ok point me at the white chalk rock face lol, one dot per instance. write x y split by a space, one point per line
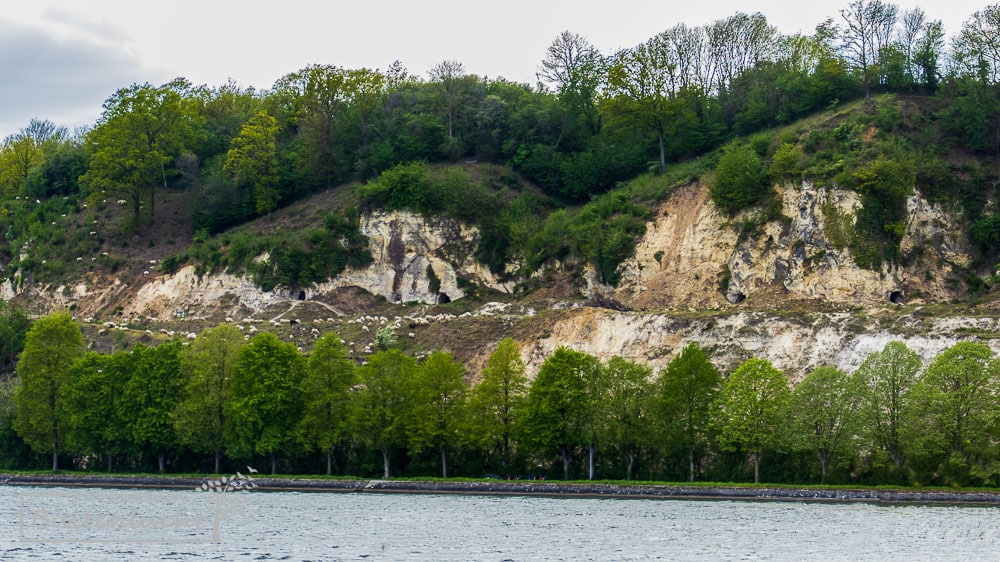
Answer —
693 257
417 259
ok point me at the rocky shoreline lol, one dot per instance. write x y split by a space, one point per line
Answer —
528 488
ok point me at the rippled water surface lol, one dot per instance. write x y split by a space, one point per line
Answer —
100 524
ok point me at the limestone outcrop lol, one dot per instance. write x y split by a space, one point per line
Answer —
693 257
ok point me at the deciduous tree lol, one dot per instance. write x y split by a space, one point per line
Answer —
265 399
740 178
150 396
868 31
438 413
142 129
821 414
51 346
750 406
885 380
380 409
96 406
326 389
208 366
688 390
625 408
955 405
252 160
496 400
556 411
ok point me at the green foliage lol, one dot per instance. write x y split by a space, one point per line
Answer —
326 389
603 233
448 191
955 405
688 388
253 160
265 400
385 338
438 417
291 260
13 332
97 408
740 178
150 396
380 406
885 380
51 346
750 405
884 185
625 404
496 401
208 366
140 132
786 164
557 408
821 415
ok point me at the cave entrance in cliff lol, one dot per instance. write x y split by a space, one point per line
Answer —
443 298
736 298
302 295
896 297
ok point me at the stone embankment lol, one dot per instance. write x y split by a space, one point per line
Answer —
532 488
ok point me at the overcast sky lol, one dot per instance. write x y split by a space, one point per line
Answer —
59 60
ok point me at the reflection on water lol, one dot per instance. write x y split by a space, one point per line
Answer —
92 524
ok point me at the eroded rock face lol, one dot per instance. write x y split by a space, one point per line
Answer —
692 257
186 291
409 250
796 345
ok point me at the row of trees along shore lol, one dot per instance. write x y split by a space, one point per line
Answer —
225 400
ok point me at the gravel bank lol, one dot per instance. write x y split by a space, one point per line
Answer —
528 487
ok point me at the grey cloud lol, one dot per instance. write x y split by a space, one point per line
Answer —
63 80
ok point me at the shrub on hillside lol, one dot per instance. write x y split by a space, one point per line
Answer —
740 178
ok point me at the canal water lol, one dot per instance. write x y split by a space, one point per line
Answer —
113 524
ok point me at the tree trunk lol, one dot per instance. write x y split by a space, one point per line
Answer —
663 153
824 462
274 463
756 467
162 458
690 464
896 455
591 454
385 464
218 460
55 457
111 458
631 464
444 464
565 459
329 461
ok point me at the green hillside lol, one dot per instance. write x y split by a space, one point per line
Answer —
575 150
555 176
